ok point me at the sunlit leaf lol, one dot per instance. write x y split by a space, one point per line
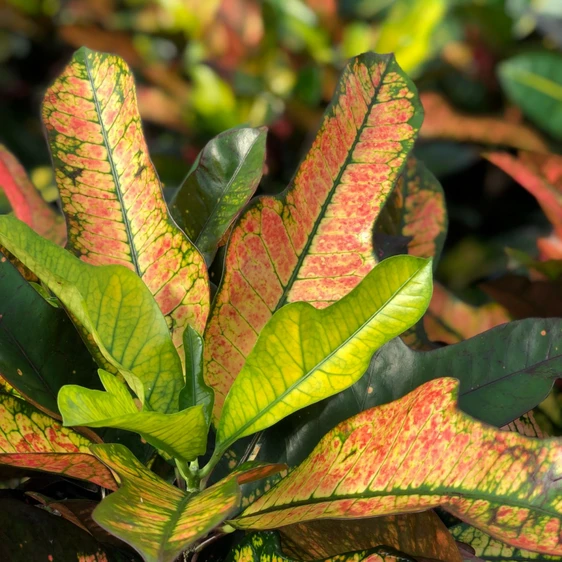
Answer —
30 439
166 520
266 547
182 435
313 243
26 201
534 82
421 452
110 193
224 177
442 121
450 320
304 355
114 306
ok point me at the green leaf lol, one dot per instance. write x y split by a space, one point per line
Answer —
195 392
183 435
421 452
40 350
533 81
223 179
31 533
155 518
266 547
304 354
114 306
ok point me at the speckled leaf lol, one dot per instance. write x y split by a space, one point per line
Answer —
32 440
419 535
442 121
415 213
223 179
26 201
450 320
266 547
30 533
114 306
110 192
40 350
195 391
183 435
304 355
491 550
313 243
155 518
421 452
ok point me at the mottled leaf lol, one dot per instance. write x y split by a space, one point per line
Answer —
40 350
442 121
415 534
415 213
195 392
114 306
26 201
30 439
304 354
450 320
30 533
155 518
533 81
183 435
110 192
266 547
313 243
223 179
420 452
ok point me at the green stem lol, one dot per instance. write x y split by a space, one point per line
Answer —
190 473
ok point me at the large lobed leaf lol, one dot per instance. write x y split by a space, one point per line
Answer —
304 354
30 439
110 192
313 243
420 452
114 306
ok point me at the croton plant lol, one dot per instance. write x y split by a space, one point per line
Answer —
302 413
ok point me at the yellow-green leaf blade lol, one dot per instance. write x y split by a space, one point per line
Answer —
421 452
114 306
183 435
304 354
110 192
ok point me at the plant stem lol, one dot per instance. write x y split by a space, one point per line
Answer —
190 473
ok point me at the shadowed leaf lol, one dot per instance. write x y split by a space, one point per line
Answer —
223 179
313 243
110 193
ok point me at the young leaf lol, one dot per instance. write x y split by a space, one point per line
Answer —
110 192
420 452
442 121
304 354
26 202
195 392
533 82
223 179
183 435
266 547
166 520
450 320
40 350
114 306
33 440
313 243
414 219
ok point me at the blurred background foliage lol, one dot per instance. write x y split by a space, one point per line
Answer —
203 66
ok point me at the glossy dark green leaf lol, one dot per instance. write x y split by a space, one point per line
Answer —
533 81
31 533
40 350
223 179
